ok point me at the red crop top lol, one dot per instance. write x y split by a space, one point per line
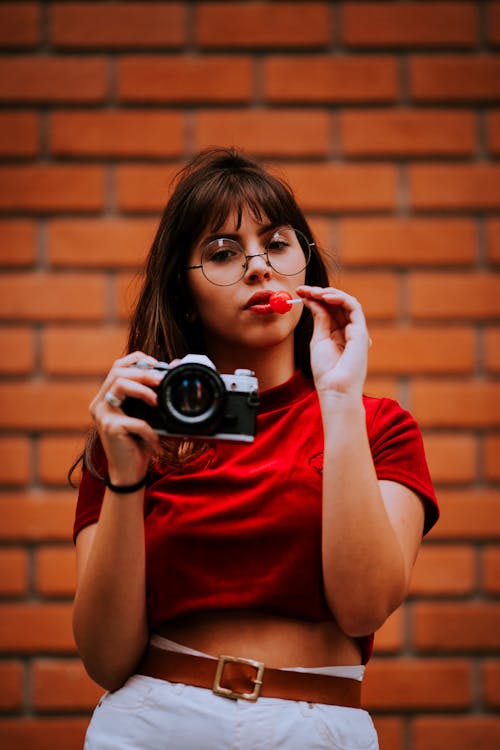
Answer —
244 531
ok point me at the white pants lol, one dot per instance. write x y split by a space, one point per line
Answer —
152 714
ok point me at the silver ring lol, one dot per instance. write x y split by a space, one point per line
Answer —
112 400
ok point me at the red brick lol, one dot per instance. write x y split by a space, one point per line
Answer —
55 187
53 406
451 457
263 24
19 24
13 573
187 78
330 79
445 570
377 292
120 24
18 246
385 24
493 22
55 570
493 131
428 349
343 187
407 132
29 628
390 732
81 351
37 515
112 242
491 683
493 240
45 296
15 460
144 188
455 78
43 734
453 403
491 571
62 684
286 132
413 685
128 287
379 387
492 457
457 732
118 133
468 515
322 231
492 349
18 347
455 186
19 133
53 79
11 685
389 638
451 626
454 295
407 241
56 454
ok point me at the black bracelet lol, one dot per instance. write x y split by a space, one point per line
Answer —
125 489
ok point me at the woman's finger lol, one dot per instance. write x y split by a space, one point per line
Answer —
121 425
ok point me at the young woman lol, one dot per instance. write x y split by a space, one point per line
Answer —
228 591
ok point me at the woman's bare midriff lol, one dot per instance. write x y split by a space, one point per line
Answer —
277 641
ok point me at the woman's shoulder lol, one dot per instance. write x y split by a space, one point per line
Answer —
383 408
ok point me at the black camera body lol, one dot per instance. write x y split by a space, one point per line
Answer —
196 401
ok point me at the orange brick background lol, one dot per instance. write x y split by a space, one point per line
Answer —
385 116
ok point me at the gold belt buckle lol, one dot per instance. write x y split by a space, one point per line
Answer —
218 689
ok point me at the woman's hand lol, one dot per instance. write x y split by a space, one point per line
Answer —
129 443
340 341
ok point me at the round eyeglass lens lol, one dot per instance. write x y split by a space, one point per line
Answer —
224 261
288 251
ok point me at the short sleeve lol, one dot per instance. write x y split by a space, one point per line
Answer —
398 452
90 494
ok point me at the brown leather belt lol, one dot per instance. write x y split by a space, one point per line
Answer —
247 679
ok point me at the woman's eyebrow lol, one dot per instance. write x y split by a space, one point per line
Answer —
264 229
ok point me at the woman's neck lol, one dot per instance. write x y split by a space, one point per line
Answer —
272 366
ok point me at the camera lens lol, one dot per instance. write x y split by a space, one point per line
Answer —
191 397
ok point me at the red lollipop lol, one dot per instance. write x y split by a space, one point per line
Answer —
279 302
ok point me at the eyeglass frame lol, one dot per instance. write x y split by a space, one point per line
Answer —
255 255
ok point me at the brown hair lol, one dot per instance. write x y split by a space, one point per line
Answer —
213 185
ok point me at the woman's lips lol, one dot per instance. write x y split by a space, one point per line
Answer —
260 309
259 303
279 301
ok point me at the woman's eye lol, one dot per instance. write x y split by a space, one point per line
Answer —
276 246
223 255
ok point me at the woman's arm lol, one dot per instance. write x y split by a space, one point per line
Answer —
371 530
109 615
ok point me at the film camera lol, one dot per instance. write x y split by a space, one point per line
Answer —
194 400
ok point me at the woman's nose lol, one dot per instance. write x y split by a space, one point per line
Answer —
257 266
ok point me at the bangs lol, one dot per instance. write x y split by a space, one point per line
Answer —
231 194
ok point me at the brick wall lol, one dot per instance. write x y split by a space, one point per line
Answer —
385 116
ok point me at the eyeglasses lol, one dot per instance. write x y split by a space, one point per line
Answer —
224 261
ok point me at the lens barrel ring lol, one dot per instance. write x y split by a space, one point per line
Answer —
191 396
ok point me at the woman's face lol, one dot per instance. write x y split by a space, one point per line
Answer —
237 316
